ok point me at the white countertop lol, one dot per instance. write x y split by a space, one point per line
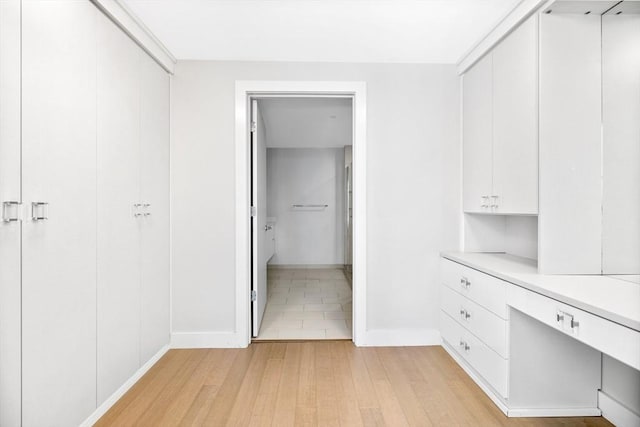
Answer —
616 298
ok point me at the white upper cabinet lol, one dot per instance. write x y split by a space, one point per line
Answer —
515 121
500 127
477 136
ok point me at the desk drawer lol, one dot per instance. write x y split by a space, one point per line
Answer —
480 357
485 290
617 341
491 329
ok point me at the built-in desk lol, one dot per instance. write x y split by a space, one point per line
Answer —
533 342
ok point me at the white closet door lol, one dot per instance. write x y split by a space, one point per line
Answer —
515 121
10 231
154 142
477 136
118 160
621 143
59 254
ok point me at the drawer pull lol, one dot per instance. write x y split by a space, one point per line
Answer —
559 316
467 315
574 323
464 346
465 283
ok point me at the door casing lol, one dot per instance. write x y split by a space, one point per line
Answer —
247 90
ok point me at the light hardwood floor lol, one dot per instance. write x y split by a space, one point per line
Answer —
313 383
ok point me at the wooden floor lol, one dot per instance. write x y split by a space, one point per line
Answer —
313 383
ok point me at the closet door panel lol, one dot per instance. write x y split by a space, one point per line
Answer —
10 231
59 253
621 144
154 141
118 280
477 135
515 121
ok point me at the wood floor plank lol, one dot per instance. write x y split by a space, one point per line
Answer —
326 387
287 399
306 407
133 403
389 403
314 383
264 407
401 372
240 414
181 401
226 396
345 391
154 413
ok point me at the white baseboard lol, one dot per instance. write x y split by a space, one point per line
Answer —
616 412
208 340
517 412
107 404
294 266
399 338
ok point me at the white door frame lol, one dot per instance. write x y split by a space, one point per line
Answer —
245 90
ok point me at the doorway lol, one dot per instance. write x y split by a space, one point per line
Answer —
249 218
301 215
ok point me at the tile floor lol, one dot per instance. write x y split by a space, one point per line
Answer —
307 303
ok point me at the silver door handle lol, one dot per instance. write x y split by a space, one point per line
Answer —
39 211
268 227
7 214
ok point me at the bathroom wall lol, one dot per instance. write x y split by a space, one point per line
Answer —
306 236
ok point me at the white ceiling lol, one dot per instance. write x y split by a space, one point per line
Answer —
307 122
388 31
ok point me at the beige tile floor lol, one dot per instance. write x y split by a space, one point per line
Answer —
307 303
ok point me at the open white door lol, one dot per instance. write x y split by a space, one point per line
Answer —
258 218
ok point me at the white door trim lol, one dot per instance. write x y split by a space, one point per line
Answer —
245 89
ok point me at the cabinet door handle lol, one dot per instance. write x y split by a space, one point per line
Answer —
494 201
7 208
39 211
485 201
574 323
559 317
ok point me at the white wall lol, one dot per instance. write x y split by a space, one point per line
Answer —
306 176
413 198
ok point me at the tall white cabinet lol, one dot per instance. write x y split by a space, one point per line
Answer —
85 249
10 226
500 122
59 230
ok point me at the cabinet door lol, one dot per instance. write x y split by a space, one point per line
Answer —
621 144
10 230
59 253
477 135
570 221
515 121
118 105
154 142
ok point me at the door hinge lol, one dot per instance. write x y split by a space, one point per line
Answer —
253 211
254 126
254 296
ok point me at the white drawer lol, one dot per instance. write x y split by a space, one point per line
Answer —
485 325
617 341
479 287
480 357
